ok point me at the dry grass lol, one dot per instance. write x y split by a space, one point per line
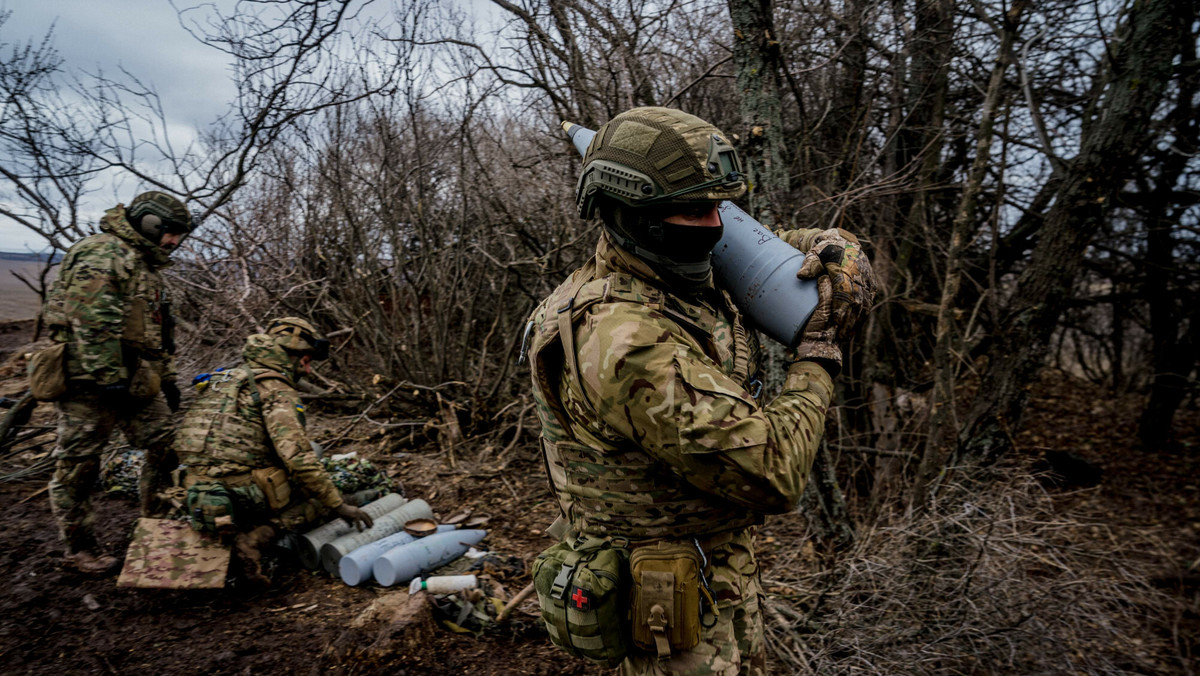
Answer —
994 579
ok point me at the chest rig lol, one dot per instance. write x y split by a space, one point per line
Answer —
224 431
609 486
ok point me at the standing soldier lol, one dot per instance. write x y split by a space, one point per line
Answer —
653 433
251 468
110 308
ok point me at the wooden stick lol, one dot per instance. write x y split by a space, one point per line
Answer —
34 494
516 601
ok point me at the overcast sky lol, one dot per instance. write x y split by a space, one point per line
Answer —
142 36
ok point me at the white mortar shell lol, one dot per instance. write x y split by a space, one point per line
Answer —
756 267
311 542
759 271
392 522
356 567
399 565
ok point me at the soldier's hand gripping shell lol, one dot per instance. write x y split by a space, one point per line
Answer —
819 341
838 254
354 516
846 288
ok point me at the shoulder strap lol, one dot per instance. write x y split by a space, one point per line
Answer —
250 378
566 333
254 379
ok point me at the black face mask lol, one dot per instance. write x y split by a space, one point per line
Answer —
688 243
680 253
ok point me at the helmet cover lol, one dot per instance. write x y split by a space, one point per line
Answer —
658 157
167 213
297 335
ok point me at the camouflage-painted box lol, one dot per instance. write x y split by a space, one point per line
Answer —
166 554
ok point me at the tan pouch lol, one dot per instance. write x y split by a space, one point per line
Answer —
145 382
135 322
48 373
273 482
666 597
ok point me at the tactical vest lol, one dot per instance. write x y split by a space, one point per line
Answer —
224 431
145 303
620 490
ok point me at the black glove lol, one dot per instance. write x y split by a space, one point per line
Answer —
171 393
354 516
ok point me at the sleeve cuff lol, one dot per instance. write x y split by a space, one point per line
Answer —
807 376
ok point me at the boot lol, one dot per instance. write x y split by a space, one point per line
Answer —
248 547
90 563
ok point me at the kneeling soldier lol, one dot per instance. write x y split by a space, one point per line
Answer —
250 465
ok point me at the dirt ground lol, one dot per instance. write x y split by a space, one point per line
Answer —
54 622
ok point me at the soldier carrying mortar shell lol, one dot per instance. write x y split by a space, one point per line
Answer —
662 457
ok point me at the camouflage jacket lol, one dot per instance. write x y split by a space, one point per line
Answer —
239 424
652 430
107 305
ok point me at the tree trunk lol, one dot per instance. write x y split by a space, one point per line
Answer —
758 62
942 417
1173 355
824 505
1118 136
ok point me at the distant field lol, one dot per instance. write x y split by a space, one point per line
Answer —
16 300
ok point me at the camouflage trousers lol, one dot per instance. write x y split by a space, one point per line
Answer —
732 643
85 423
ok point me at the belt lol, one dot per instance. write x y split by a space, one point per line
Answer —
562 530
194 477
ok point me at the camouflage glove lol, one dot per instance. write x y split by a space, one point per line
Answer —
171 393
846 291
354 516
819 341
838 254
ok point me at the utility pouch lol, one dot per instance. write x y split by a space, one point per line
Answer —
135 322
666 597
145 382
48 372
583 587
210 508
273 482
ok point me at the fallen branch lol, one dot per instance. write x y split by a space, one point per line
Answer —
516 601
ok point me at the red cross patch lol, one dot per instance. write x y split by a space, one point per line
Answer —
582 599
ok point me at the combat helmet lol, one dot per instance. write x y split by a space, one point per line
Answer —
154 213
658 157
646 166
298 336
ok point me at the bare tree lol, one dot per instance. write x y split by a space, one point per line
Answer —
1117 134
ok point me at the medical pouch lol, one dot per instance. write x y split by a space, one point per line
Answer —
666 597
583 589
210 508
